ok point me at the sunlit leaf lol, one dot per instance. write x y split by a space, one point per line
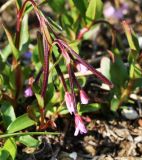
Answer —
89 108
29 141
12 45
114 104
11 147
94 10
105 67
131 37
20 123
5 52
54 25
18 3
24 34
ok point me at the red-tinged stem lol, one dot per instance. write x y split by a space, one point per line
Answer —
21 12
93 70
45 68
76 81
42 116
63 51
38 75
72 85
18 74
45 79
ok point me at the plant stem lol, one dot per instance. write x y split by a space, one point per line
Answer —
27 133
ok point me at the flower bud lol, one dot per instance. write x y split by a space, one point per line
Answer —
84 97
79 125
80 67
69 102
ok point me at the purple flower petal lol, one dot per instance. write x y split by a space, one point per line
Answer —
69 102
28 92
79 125
84 97
80 67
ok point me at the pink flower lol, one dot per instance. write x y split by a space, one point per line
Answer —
28 92
80 67
69 102
111 12
79 125
84 97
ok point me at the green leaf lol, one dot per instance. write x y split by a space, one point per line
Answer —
2 64
131 37
135 71
24 34
12 80
12 45
18 3
40 100
138 83
4 154
8 114
50 92
11 147
86 108
81 6
20 123
105 67
54 25
114 104
118 72
29 141
5 53
63 110
94 10
75 46
1 81
40 47
57 6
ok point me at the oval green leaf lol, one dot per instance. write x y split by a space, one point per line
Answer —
20 123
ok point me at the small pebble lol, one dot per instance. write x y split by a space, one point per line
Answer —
129 113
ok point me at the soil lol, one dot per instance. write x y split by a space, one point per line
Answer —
117 139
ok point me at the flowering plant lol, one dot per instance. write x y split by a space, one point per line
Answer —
39 80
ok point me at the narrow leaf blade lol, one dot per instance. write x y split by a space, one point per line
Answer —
11 42
94 10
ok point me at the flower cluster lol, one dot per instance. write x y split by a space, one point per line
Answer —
73 59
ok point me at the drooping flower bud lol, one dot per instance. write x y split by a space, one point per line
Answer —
80 67
79 125
84 97
69 102
28 92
